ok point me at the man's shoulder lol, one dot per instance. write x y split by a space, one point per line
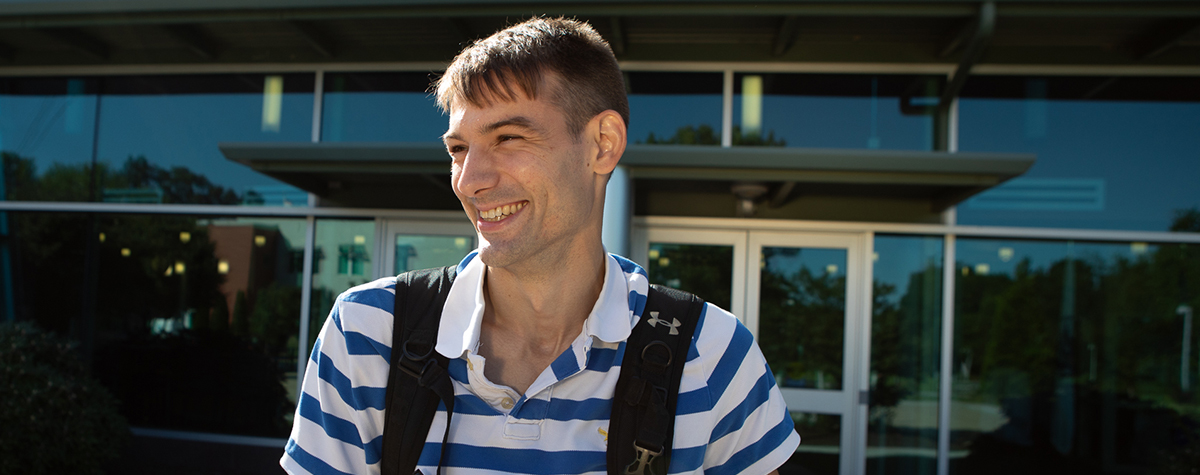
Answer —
379 293
367 308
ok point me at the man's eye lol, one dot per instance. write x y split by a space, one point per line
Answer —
453 149
505 138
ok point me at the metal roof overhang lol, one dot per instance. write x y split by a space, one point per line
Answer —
416 175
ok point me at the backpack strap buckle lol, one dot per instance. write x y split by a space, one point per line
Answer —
641 464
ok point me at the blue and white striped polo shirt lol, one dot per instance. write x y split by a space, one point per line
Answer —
730 419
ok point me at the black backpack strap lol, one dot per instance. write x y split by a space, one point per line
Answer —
642 425
418 378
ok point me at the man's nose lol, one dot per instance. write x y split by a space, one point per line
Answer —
475 174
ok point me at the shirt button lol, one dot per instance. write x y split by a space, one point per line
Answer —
506 403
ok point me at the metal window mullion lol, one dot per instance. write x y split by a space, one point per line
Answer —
310 238
318 112
945 381
727 109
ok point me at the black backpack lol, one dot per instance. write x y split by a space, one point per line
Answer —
642 424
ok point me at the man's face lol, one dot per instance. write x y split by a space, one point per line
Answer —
524 181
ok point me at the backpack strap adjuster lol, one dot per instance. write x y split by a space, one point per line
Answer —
411 364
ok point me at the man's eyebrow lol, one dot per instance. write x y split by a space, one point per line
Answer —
518 121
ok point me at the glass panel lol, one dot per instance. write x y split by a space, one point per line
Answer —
343 257
414 251
820 446
832 110
159 135
802 315
380 107
701 269
1112 153
46 137
905 355
173 311
674 108
1076 356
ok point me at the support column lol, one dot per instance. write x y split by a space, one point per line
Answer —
618 212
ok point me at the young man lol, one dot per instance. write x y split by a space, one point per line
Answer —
535 321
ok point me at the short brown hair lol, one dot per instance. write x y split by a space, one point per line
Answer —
525 55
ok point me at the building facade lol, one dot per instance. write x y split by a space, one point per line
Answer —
966 234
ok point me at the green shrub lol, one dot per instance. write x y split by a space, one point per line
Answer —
54 417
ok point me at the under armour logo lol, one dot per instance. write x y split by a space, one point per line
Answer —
674 324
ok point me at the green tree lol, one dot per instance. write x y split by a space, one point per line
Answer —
54 417
705 135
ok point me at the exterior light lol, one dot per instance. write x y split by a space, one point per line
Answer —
223 266
664 262
272 109
752 94
360 240
260 241
1138 247
184 237
654 254
831 269
1006 254
125 252
102 237
180 267
460 243
982 269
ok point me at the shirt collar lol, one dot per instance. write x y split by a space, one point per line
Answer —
610 320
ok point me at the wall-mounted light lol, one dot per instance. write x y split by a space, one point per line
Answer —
747 193
260 241
125 252
184 237
223 266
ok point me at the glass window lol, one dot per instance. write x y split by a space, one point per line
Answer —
674 108
46 137
380 107
1112 153
190 322
157 140
343 257
1074 355
906 353
701 269
159 135
833 111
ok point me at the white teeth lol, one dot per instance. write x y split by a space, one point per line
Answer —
501 212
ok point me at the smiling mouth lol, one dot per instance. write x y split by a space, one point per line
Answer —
499 213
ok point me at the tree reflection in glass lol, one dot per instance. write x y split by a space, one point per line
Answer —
802 309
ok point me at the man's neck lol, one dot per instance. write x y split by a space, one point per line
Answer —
550 300
530 320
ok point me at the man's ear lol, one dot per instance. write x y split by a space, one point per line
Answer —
610 136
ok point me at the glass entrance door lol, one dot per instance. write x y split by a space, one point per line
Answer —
407 245
805 303
804 296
